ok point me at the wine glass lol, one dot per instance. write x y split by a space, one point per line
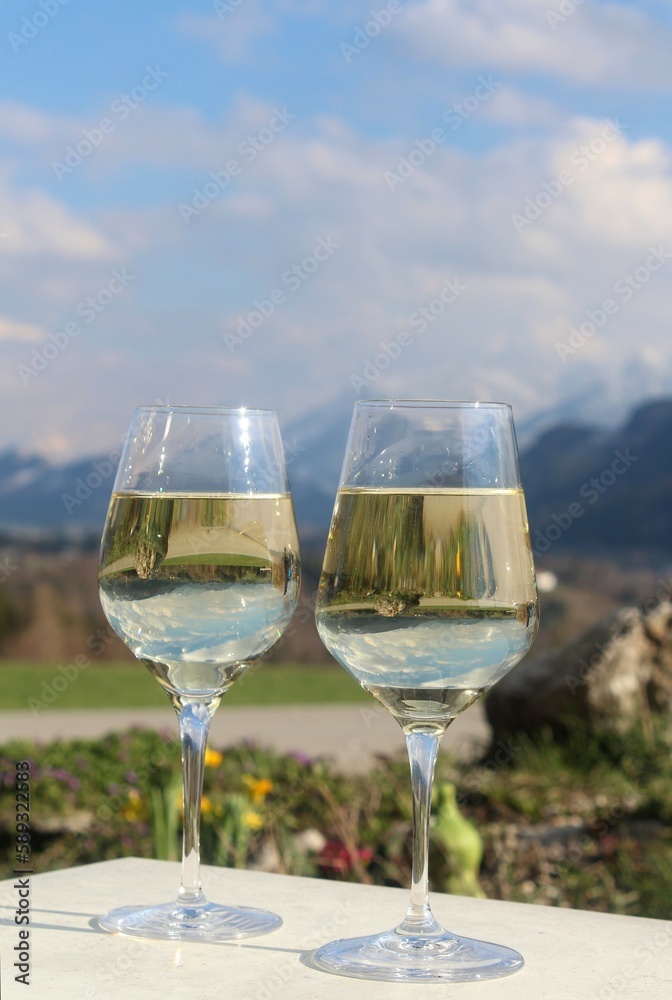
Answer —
199 575
427 596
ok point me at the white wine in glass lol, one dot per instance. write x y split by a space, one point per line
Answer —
428 597
199 575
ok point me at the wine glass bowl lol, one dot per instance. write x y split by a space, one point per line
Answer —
199 575
427 597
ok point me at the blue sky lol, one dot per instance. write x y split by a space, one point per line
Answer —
281 204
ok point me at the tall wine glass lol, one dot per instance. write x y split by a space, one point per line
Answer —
199 575
427 596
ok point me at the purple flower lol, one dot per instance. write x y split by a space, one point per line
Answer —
60 774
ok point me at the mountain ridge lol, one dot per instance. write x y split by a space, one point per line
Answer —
587 486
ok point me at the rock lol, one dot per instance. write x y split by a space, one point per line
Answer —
614 675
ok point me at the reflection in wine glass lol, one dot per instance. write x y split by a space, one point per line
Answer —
427 596
199 575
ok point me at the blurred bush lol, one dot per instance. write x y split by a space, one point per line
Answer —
584 825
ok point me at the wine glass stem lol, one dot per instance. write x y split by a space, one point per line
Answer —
423 748
194 726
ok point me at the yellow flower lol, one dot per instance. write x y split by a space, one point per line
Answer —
213 758
252 820
206 804
258 788
135 809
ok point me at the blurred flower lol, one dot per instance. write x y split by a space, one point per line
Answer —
258 788
213 758
60 774
206 804
252 820
335 858
310 840
135 808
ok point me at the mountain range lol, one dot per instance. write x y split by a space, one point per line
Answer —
603 490
589 488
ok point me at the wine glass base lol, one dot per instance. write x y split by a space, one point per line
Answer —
393 957
176 922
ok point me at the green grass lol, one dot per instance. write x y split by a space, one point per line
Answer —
129 685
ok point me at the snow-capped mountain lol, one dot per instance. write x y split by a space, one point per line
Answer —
619 474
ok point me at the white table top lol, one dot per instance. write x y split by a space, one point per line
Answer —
568 953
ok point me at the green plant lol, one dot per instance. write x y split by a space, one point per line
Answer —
585 824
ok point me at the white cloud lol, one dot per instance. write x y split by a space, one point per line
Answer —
36 224
237 25
11 329
626 196
513 106
152 134
23 123
323 176
598 43
451 219
232 30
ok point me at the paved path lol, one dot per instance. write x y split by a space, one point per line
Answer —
350 735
